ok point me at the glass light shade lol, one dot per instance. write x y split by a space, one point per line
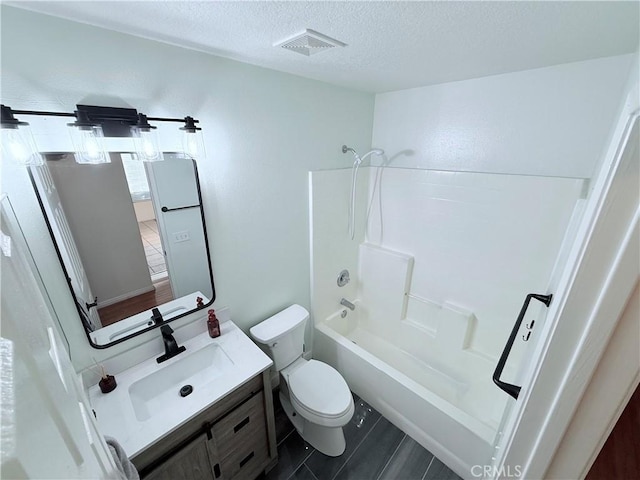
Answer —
146 144
193 144
88 143
19 146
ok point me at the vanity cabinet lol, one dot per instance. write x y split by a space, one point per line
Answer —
233 439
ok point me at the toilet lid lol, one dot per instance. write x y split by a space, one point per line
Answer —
321 389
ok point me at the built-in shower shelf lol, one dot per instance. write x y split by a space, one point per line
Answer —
449 324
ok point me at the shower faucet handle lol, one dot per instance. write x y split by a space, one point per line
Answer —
343 278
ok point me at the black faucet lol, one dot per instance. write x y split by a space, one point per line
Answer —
171 348
156 316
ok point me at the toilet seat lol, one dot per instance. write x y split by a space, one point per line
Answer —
320 394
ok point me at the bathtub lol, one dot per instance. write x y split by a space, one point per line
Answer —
453 412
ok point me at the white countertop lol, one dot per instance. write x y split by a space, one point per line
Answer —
114 410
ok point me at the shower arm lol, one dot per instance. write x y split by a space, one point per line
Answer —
346 149
359 159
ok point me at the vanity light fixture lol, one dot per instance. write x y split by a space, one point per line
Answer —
17 140
87 139
92 124
145 138
192 141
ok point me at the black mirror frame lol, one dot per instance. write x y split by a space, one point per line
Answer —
81 313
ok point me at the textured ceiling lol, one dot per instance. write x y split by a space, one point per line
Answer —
391 45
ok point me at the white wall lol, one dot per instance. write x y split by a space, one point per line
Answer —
263 130
548 121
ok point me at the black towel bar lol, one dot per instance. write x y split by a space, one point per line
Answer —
514 390
167 209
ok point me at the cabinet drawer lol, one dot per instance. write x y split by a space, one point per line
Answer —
247 462
241 438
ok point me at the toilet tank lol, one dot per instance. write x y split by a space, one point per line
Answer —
283 334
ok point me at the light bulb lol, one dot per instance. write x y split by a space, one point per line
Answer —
146 144
18 144
89 146
193 144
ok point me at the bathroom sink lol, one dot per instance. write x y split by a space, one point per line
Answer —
161 389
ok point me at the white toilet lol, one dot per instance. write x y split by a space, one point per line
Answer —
313 394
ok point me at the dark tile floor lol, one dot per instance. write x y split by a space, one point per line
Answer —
376 450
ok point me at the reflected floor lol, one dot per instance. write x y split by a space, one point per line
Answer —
152 247
146 301
376 450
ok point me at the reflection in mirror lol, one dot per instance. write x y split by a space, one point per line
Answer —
131 237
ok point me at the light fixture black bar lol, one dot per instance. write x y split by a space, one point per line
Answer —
66 114
43 114
115 121
163 119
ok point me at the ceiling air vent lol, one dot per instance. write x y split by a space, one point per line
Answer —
309 43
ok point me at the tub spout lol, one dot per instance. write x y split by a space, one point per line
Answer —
347 304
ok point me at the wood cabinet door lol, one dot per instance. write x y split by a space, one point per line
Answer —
195 461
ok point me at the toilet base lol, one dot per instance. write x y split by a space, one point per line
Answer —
327 440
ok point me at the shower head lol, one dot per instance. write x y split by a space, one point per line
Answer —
375 151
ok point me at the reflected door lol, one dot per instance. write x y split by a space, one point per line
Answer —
65 244
179 215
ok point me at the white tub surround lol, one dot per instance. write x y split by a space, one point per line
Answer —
438 278
480 242
115 411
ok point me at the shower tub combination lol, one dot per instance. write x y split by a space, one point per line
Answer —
448 411
410 358
411 347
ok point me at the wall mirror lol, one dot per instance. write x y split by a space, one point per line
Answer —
131 237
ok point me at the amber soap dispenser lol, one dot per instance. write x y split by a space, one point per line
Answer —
213 324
